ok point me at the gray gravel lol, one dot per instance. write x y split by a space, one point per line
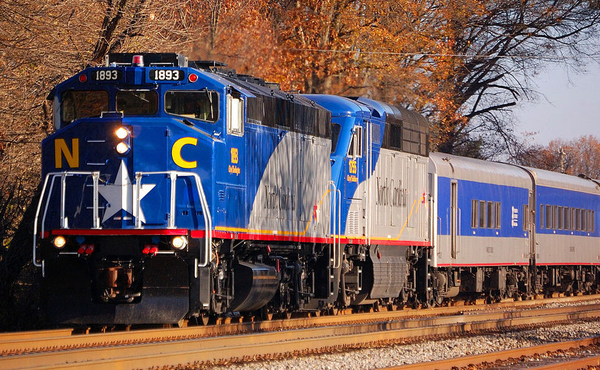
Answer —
427 351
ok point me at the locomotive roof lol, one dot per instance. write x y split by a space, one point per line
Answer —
338 105
270 106
407 118
405 130
413 127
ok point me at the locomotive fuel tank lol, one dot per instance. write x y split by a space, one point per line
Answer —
255 285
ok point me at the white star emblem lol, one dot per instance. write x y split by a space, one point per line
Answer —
120 194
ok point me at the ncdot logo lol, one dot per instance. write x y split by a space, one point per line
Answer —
233 169
61 150
176 152
177 148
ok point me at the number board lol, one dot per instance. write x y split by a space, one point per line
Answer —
166 75
107 75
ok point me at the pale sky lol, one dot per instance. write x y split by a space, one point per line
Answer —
569 110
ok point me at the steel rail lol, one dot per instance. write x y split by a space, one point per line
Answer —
475 360
582 363
32 335
175 349
40 341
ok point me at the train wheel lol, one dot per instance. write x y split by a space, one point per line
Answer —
403 296
428 302
204 317
266 314
183 323
438 299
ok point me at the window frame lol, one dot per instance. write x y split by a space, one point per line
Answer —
216 103
482 214
497 215
235 108
474 213
152 92
64 96
490 215
355 149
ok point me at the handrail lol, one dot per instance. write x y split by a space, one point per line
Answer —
368 179
337 210
458 238
173 175
64 222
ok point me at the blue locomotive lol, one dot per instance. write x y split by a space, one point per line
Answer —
176 190
173 191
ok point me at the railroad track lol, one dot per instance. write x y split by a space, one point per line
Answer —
256 340
506 359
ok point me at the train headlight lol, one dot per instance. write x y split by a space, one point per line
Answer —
59 242
121 133
122 148
179 242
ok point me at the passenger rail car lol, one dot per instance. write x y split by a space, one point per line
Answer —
480 239
567 235
174 190
506 231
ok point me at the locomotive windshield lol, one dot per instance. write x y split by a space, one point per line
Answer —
78 104
137 102
81 104
203 105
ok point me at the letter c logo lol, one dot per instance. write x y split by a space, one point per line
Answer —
176 152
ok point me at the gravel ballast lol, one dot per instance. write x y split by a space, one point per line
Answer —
432 350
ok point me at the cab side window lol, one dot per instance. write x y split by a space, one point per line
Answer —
235 115
335 134
356 144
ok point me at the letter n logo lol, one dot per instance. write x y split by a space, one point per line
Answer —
61 149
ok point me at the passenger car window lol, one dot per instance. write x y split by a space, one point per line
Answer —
474 218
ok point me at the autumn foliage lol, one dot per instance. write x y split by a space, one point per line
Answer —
578 157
